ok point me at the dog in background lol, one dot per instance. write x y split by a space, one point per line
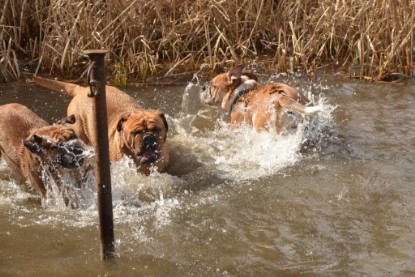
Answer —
36 151
238 93
133 131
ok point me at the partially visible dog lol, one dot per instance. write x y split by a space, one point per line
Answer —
36 151
238 93
133 131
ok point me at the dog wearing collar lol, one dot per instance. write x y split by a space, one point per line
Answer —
238 93
36 151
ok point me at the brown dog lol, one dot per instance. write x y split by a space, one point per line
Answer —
35 150
239 94
133 131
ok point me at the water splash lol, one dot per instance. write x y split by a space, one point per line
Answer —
13 191
133 188
203 149
243 154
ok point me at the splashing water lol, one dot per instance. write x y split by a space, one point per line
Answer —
243 154
12 190
133 188
202 147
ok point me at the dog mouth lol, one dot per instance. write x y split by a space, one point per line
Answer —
150 152
148 156
72 154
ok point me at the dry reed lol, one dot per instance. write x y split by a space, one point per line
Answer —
370 38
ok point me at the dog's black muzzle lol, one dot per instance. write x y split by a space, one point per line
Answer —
150 149
71 154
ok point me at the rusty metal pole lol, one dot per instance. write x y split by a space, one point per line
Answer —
97 81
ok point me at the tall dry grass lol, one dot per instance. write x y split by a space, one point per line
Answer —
166 37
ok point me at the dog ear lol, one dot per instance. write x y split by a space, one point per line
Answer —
235 73
166 125
34 143
121 121
163 117
67 120
249 74
282 92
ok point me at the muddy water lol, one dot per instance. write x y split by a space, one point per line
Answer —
333 197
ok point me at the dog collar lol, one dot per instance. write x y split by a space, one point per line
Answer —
237 97
231 98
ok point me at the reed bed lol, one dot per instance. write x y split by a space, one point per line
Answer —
371 38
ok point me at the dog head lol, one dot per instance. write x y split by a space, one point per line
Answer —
224 85
56 145
142 136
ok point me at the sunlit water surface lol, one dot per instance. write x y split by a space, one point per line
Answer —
333 197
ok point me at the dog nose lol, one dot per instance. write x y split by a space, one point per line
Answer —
149 138
80 161
73 154
78 151
203 87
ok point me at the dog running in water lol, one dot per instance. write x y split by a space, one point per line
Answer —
133 131
238 93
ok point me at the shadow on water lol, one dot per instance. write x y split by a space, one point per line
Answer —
333 196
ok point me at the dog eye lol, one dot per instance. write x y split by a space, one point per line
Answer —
137 132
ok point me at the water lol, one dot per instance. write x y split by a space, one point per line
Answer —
334 197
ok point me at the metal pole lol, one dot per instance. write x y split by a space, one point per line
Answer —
97 81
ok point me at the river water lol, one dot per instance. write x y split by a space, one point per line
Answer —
333 197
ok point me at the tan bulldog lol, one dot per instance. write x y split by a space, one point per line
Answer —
133 131
36 151
238 93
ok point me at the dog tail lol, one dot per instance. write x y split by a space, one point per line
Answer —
300 108
67 88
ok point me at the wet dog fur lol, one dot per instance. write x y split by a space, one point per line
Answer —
33 149
238 93
133 131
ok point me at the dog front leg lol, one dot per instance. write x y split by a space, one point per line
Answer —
36 182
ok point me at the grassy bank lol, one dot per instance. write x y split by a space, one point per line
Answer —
167 37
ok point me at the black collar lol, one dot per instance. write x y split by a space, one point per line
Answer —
238 96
